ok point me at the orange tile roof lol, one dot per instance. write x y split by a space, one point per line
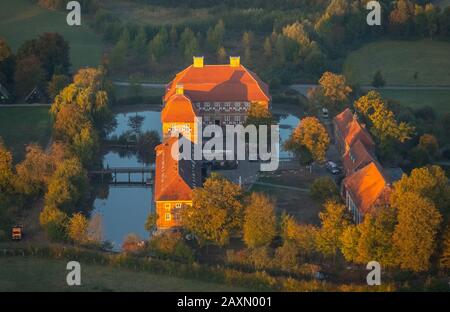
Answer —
169 183
179 108
212 83
351 129
367 186
356 157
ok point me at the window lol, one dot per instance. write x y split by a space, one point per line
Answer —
207 106
227 106
206 118
178 205
168 216
167 206
177 216
227 118
237 106
237 118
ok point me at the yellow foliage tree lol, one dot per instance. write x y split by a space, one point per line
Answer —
260 224
77 228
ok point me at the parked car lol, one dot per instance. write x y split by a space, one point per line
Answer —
333 167
325 113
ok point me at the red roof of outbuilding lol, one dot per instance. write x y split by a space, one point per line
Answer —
356 157
367 186
219 83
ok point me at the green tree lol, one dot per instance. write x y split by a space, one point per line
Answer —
260 224
214 36
158 45
139 46
324 189
311 135
333 223
150 223
378 80
221 55
268 48
217 211
54 222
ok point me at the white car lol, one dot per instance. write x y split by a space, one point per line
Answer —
325 113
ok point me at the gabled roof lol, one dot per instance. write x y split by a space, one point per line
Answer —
356 157
219 83
367 186
178 108
351 130
174 179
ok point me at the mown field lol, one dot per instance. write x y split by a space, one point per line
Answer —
147 14
438 99
20 126
33 274
21 20
399 61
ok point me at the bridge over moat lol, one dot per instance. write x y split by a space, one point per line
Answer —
146 174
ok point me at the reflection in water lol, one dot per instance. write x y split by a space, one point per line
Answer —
125 209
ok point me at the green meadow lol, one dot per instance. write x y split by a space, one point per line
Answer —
21 20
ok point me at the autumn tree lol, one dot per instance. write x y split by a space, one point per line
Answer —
67 189
430 144
444 260
131 243
258 115
415 234
385 128
260 224
6 172
349 242
35 171
375 237
217 211
311 135
77 228
428 182
54 222
335 88
56 85
333 222
302 235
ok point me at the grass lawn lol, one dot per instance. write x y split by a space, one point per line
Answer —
438 99
20 126
21 20
34 274
296 203
147 14
399 61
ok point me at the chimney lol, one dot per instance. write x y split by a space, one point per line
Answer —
198 61
179 89
235 61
